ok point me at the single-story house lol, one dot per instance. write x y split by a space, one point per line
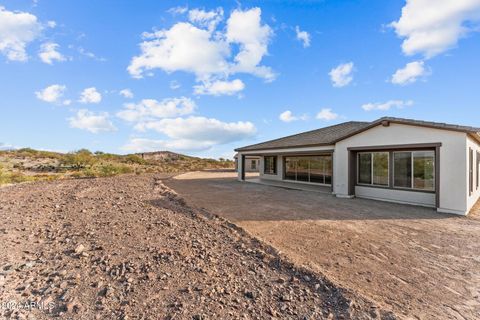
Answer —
252 163
399 160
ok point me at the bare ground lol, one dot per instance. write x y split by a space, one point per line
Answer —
129 247
412 260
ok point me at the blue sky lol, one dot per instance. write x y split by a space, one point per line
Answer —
204 77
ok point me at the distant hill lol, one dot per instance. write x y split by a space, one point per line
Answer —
29 165
162 155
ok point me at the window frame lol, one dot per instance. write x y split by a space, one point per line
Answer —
478 169
391 168
253 164
296 158
274 172
412 188
372 184
470 171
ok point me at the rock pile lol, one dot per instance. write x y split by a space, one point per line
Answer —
129 248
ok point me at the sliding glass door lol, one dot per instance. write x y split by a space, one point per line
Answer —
316 169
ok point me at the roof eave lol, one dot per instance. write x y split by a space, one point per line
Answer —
408 123
475 136
287 147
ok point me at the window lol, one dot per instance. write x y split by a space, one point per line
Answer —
253 165
316 169
373 168
478 169
380 168
414 170
470 170
424 170
270 165
402 168
365 168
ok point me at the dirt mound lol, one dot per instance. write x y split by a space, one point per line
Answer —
129 247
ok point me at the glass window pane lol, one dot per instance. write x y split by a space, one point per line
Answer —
402 169
302 169
328 169
380 168
290 170
270 166
365 168
317 170
424 170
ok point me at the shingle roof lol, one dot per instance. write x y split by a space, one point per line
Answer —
332 134
323 136
437 125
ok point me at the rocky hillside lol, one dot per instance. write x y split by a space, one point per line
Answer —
30 165
162 156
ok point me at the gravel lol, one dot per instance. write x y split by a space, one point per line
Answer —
129 247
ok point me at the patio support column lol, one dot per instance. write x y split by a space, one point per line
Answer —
352 172
241 167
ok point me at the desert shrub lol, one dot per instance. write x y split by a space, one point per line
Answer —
32 153
108 157
133 159
84 173
12 177
110 169
27 151
78 160
47 177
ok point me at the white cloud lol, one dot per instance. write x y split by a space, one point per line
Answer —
90 55
342 74
218 88
201 129
48 53
91 121
6 146
195 133
208 19
90 95
149 145
327 115
51 93
177 10
51 24
410 73
126 93
183 47
399 104
150 109
303 36
287 116
207 52
174 85
245 28
17 30
67 102
432 28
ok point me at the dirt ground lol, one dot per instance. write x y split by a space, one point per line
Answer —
414 261
128 247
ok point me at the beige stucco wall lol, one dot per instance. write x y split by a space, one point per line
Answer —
452 160
400 196
473 198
